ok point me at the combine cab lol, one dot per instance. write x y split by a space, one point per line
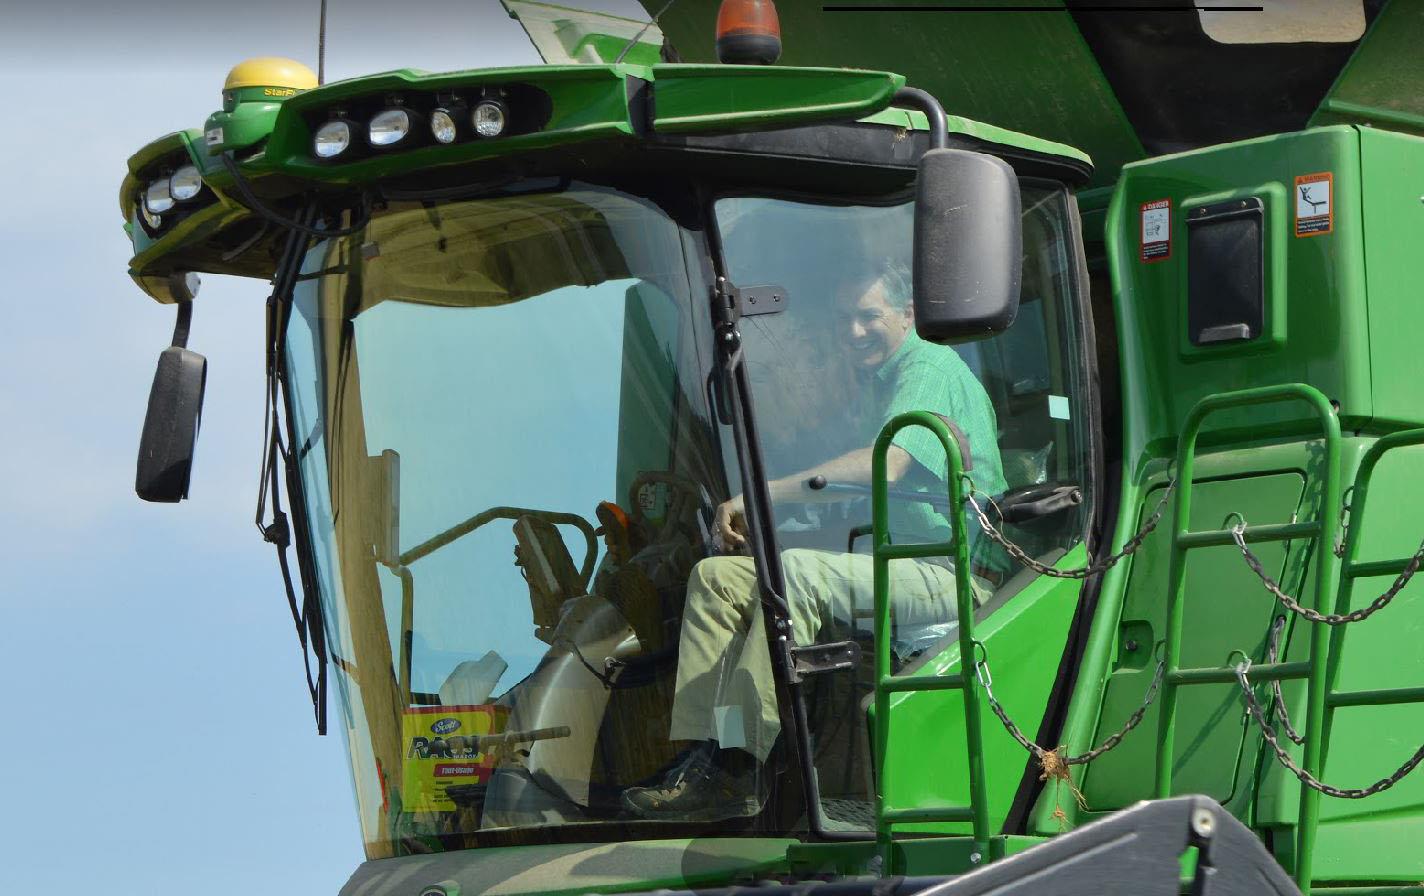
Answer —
707 473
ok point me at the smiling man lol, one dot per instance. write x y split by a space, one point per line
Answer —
725 699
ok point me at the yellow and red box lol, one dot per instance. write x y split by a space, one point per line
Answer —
441 750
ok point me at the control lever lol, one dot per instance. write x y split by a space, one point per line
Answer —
1023 505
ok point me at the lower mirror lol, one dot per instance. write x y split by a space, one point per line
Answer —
170 429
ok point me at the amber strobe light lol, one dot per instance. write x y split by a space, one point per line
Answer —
748 32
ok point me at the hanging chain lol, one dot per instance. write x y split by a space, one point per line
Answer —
1048 757
1272 648
1238 534
1306 777
1344 526
1081 572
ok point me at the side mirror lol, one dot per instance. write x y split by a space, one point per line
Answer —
175 408
170 429
968 245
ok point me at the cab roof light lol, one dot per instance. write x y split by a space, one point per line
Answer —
185 183
333 138
396 127
490 117
748 32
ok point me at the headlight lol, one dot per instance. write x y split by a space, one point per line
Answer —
157 199
489 118
332 139
442 126
389 127
185 183
153 221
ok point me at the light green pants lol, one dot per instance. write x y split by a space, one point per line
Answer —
725 689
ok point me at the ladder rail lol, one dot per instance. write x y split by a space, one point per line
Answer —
1183 539
886 684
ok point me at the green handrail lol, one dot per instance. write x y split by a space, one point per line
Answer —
977 813
1183 540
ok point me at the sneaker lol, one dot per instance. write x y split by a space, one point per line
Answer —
697 790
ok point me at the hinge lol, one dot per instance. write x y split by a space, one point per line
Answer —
736 302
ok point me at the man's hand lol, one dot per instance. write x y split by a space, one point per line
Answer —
730 527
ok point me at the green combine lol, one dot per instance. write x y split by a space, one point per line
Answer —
704 470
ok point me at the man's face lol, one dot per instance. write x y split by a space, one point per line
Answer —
873 327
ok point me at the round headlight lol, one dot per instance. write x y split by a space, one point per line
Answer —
153 221
157 199
185 183
489 118
442 126
389 127
331 139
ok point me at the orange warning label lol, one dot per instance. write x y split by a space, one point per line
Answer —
1314 204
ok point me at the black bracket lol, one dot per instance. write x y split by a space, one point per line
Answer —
737 302
813 659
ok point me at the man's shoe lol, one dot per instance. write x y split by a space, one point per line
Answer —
697 790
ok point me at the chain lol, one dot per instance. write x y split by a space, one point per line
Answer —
1306 777
1344 526
1271 651
986 679
1081 572
1238 534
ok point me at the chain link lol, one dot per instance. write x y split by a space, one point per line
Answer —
1306 777
986 680
1272 649
1081 572
1238 534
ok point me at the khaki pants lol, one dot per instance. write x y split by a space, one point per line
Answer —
725 689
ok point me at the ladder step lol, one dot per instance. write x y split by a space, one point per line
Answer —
1376 697
1374 568
1257 672
915 551
918 816
893 684
1270 532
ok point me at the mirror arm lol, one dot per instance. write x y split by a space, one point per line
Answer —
923 101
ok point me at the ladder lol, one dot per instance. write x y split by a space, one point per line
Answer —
887 684
1321 664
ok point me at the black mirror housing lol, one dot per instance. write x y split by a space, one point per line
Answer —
968 245
170 429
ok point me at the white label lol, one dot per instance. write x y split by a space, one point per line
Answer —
730 730
1155 225
213 136
1313 200
1058 407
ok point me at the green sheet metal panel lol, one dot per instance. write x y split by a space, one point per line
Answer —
929 761
1380 84
1393 192
1314 287
1379 837
1009 74
690 98
1225 610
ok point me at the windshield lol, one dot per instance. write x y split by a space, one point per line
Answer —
511 474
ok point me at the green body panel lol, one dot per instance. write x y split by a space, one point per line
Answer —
1226 611
693 98
579 868
1369 87
246 118
1012 76
1024 640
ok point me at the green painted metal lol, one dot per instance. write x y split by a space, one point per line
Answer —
692 98
1326 563
977 811
1012 75
1368 89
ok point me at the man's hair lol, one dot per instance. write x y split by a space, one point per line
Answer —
893 276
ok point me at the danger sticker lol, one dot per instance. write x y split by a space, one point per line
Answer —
1314 204
1157 230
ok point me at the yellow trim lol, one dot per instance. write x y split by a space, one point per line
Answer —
270 71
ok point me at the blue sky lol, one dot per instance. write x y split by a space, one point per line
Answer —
159 736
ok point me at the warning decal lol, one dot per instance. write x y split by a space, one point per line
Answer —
1314 204
1157 230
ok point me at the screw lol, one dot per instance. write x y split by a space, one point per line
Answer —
975 858
1203 823
1131 646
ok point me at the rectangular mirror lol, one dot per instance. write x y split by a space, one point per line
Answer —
170 429
968 245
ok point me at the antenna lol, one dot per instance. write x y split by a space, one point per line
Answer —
651 22
321 47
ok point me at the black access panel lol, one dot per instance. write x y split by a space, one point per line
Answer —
1226 272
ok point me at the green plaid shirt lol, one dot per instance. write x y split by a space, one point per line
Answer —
922 376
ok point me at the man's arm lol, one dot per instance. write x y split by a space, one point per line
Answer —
852 467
